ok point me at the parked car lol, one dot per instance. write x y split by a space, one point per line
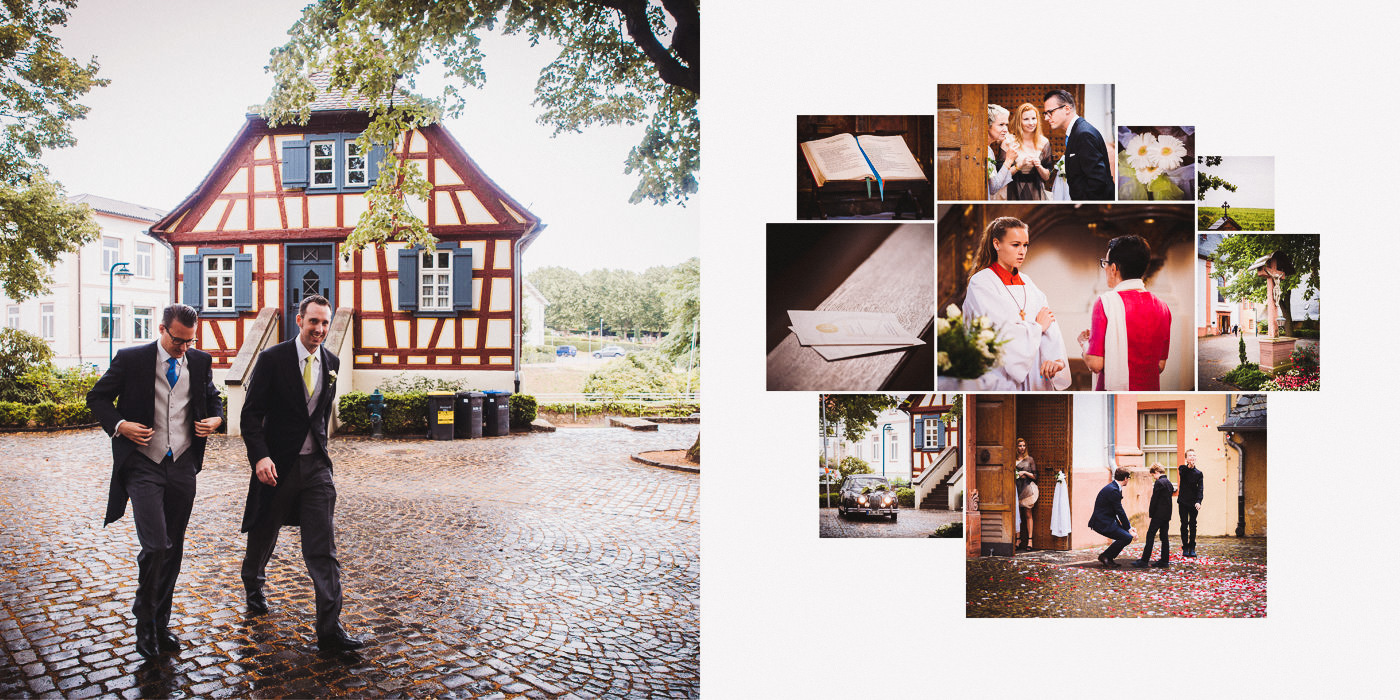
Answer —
868 494
609 351
565 351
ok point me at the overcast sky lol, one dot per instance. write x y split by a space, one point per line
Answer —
185 72
1252 175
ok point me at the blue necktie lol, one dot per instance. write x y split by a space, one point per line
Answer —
171 376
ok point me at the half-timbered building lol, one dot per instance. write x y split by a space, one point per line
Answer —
267 226
936 457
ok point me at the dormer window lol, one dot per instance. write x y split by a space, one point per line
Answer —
329 163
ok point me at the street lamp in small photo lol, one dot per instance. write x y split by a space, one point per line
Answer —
116 270
884 451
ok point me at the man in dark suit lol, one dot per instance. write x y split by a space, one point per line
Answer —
1086 157
1110 520
1159 512
285 417
168 407
1188 501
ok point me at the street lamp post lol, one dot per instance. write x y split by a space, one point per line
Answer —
112 273
884 451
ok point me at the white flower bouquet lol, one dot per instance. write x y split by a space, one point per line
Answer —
1147 163
967 348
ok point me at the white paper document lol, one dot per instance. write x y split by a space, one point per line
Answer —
837 335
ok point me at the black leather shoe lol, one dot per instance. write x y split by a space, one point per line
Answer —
1110 563
146 641
339 641
1103 560
1159 564
167 641
1139 563
257 603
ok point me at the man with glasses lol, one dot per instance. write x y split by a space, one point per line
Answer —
168 407
1086 157
1130 332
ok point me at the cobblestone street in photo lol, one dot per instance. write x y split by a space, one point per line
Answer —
911 523
538 565
1227 579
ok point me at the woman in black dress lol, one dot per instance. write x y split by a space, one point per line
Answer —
1034 160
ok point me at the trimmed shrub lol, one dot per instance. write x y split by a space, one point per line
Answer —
71 413
906 497
404 414
13 413
523 409
834 499
354 412
1312 333
1247 376
949 530
43 412
620 408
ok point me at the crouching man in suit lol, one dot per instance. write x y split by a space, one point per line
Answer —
1109 518
285 418
168 406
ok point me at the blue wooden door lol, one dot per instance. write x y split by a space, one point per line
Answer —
310 269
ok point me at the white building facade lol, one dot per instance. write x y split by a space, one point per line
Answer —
73 317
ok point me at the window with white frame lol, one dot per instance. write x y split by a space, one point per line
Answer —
12 318
435 281
930 433
110 325
1159 440
356 172
218 282
143 260
46 321
893 446
111 252
323 164
142 317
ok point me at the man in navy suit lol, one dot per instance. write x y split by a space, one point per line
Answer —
1086 157
1159 511
284 420
1110 520
168 407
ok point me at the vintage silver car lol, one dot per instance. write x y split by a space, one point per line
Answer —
868 494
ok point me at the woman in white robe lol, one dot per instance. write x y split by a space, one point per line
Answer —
1034 358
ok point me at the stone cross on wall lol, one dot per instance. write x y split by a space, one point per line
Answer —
1226 207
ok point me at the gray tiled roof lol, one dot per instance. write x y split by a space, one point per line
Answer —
118 208
328 99
1251 412
1208 243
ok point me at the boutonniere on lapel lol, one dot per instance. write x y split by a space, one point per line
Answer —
332 376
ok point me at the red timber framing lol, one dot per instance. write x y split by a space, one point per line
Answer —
242 204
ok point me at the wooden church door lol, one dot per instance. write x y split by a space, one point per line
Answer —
310 269
1045 423
994 461
962 142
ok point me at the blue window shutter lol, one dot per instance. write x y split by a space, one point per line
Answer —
194 283
376 154
296 168
941 435
919 433
408 279
243 282
462 279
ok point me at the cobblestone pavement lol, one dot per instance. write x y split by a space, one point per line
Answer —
543 565
1228 579
1218 354
911 523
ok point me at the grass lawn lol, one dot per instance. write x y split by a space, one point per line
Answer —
1249 219
564 377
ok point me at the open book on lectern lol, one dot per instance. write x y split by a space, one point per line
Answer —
865 157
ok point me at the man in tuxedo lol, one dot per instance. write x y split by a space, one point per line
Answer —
1159 512
1086 157
285 418
168 407
1188 501
1110 520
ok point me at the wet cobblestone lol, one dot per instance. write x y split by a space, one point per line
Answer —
1228 579
539 566
911 523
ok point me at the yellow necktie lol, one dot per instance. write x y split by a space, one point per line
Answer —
306 374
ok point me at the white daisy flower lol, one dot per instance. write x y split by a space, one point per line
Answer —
1141 150
1147 173
1170 151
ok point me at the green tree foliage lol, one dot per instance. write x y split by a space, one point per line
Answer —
682 296
638 373
39 92
624 301
1236 253
851 466
853 415
612 68
21 352
1206 181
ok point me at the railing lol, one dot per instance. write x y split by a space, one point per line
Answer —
930 478
261 334
338 342
601 398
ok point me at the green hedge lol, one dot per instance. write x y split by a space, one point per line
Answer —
44 414
906 497
1307 333
949 530
621 408
523 410
1247 376
407 414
